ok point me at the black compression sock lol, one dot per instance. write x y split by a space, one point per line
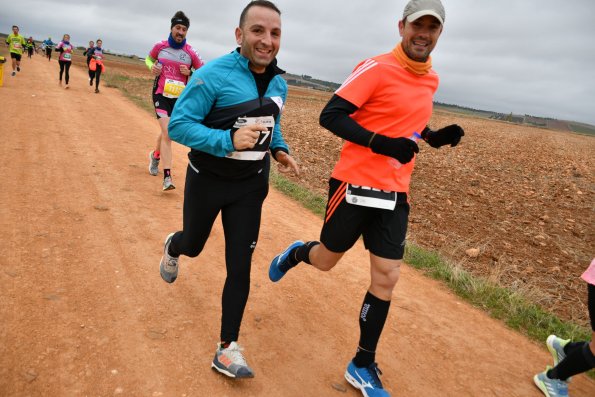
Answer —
297 255
363 358
166 172
578 361
302 253
371 322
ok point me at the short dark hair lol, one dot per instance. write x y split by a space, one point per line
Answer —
259 3
15 26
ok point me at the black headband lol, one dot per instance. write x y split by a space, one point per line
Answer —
180 21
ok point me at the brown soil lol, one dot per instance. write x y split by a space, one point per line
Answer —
83 310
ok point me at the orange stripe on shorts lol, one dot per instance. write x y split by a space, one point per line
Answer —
336 200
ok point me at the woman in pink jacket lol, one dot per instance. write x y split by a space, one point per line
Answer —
65 58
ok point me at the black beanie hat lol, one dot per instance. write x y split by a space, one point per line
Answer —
180 19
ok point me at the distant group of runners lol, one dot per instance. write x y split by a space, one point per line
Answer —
228 112
17 45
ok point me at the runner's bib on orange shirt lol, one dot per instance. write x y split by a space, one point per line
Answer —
391 101
370 197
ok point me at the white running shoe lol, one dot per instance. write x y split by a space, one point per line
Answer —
168 267
231 362
168 184
153 164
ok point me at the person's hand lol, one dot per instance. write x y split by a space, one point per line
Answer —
247 136
448 135
184 70
286 163
156 69
402 149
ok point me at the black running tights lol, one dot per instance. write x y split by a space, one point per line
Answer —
240 205
97 76
64 69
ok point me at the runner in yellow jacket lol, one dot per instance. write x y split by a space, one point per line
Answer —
16 43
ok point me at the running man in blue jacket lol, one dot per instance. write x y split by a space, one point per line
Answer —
229 115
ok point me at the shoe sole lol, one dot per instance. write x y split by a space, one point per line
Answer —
227 373
353 382
170 187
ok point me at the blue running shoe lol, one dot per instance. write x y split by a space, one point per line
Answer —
550 387
556 347
276 274
366 379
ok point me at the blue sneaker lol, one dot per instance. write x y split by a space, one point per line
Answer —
366 379
275 274
556 347
550 387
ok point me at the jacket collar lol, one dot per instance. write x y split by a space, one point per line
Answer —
272 68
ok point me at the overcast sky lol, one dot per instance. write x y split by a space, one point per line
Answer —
524 56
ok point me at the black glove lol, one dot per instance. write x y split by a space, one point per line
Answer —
401 149
448 135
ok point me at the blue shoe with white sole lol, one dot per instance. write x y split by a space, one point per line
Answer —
366 379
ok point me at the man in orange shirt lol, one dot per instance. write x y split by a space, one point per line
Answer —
381 110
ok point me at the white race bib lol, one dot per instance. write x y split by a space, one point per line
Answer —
371 197
67 55
264 140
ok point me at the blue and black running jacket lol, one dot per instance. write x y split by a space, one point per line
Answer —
218 98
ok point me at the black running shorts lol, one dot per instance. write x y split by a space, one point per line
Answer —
384 231
15 56
163 105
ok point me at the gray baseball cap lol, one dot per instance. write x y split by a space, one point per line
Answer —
418 8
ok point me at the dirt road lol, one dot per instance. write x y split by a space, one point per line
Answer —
83 310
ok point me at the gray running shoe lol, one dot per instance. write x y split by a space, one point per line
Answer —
153 164
167 183
556 347
231 362
551 387
13 73
168 268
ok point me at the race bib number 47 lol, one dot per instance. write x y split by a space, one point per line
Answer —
264 140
